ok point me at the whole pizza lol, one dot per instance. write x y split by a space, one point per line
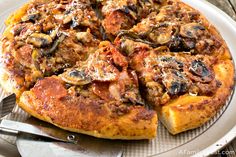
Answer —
112 68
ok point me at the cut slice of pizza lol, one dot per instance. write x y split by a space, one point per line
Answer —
186 90
44 37
98 97
87 113
189 111
183 64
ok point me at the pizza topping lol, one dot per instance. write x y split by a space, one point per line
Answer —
39 40
49 88
170 62
102 65
118 109
84 37
101 70
175 82
76 77
165 75
180 29
201 72
106 70
199 68
18 28
191 30
206 46
208 89
161 34
130 47
78 74
31 17
135 8
50 50
129 10
188 44
23 55
55 45
123 14
116 21
125 89
129 35
109 50
101 89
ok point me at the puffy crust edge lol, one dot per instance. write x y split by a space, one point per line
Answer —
127 127
189 112
8 84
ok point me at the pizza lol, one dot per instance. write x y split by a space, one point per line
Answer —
114 68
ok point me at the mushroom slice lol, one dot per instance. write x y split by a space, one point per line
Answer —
201 72
170 62
51 50
103 71
191 30
126 34
175 82
31 17
161 34
76 76
39 40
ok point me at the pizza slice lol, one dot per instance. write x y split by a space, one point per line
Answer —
189 111
101 99
186 90
43 38
182 63
87 113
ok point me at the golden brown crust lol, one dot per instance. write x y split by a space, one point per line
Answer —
189 112
17 15
50 101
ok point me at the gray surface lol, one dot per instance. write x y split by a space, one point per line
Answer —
87 147
226 5
8 150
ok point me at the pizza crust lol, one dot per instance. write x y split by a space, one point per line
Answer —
17 15
88 117
8 84
189 112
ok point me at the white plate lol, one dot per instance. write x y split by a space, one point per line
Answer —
203 141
